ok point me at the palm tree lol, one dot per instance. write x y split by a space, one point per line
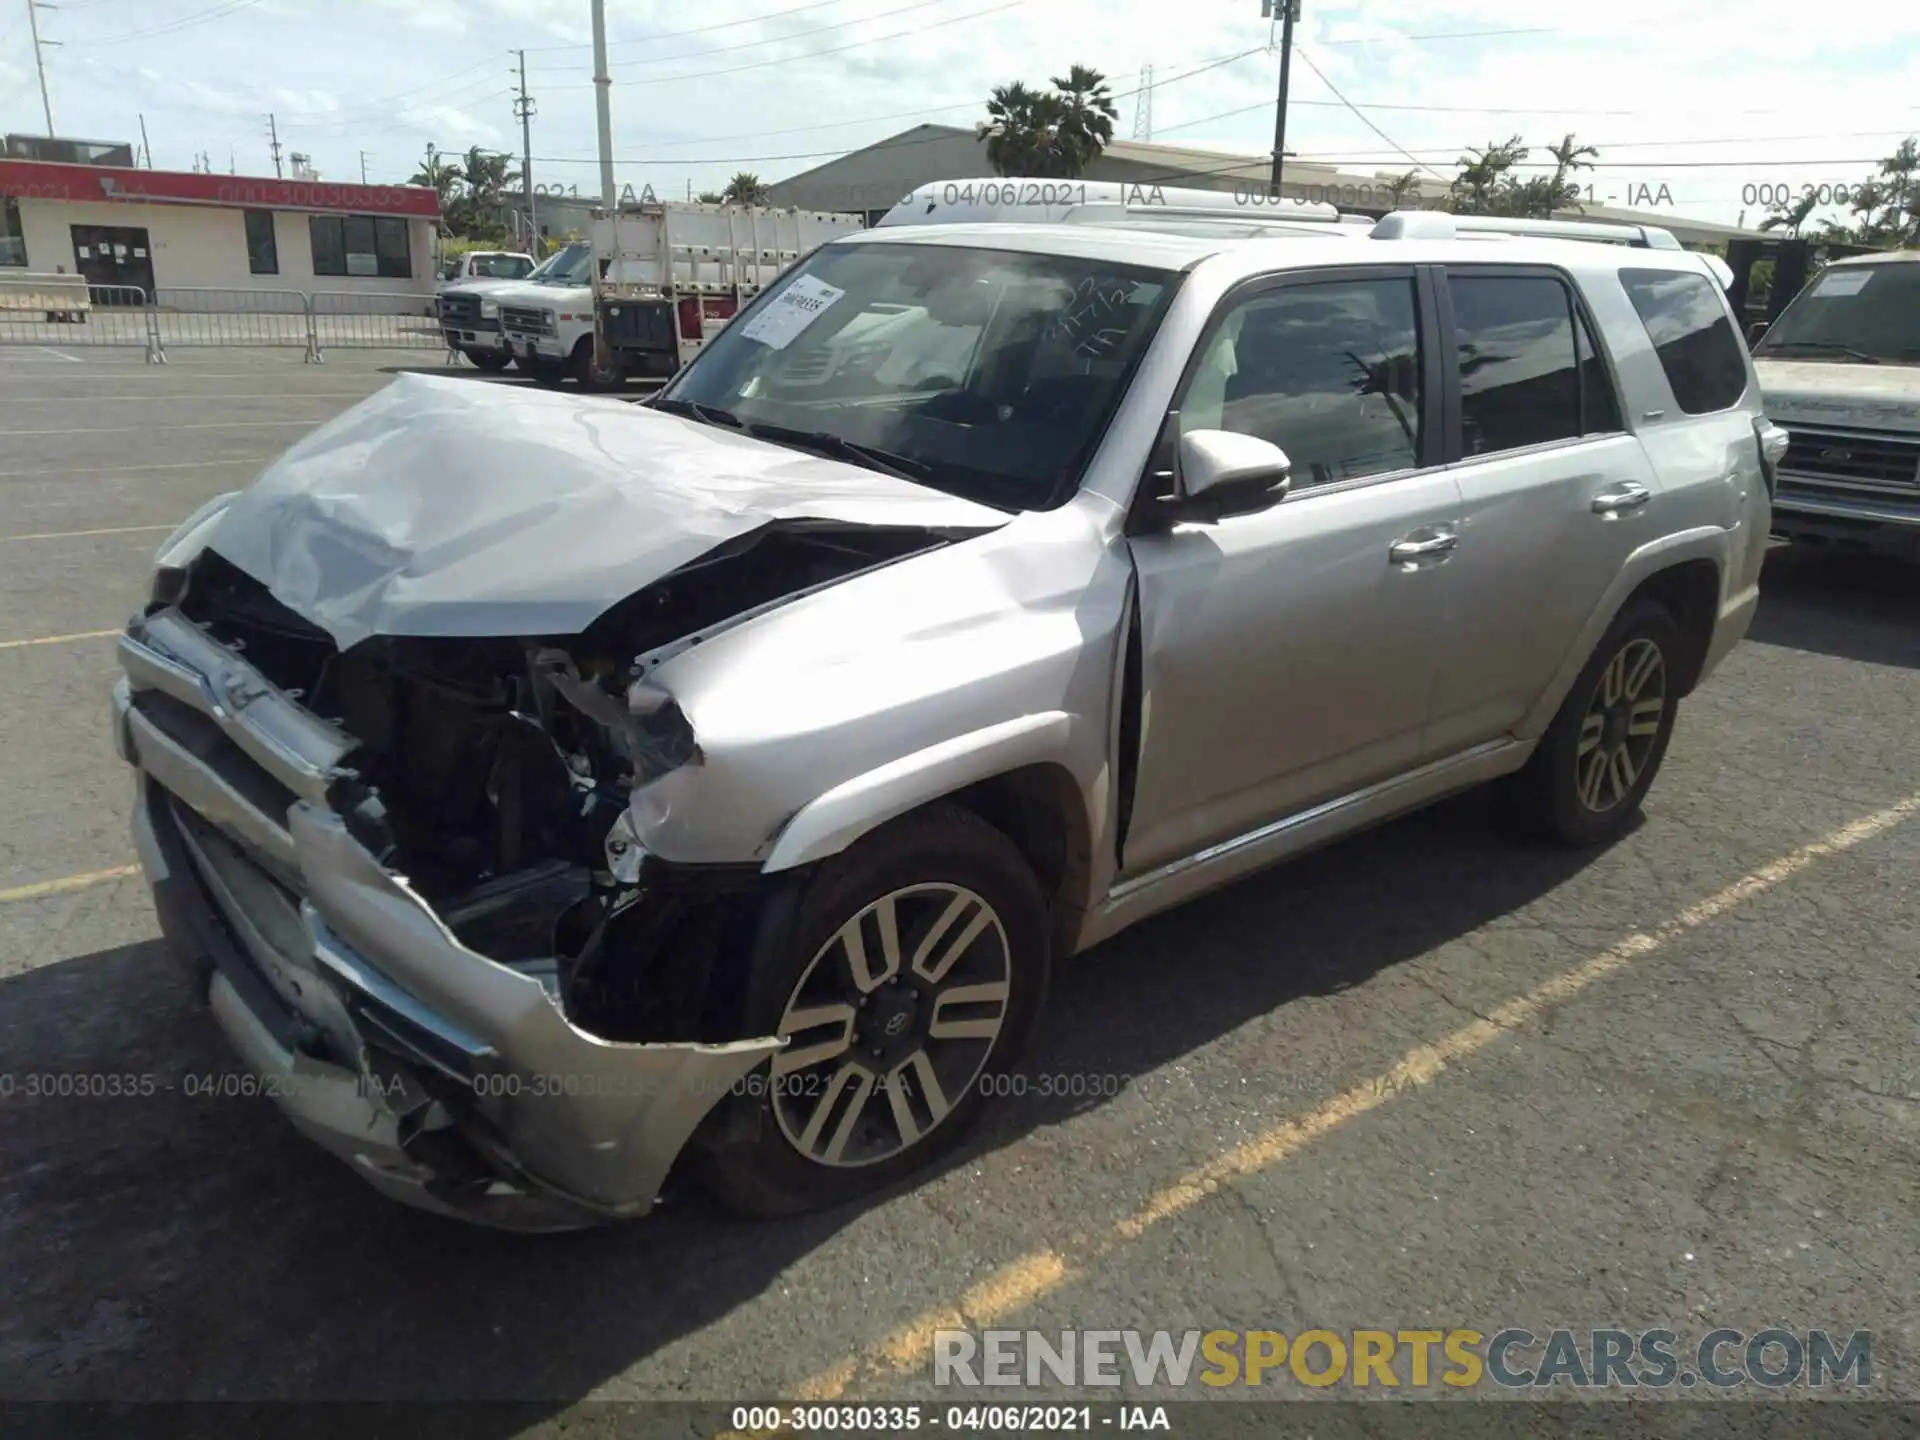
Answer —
440 176
745 188
1402 188
1050 134
1484 176
487 176
1020 129
1087 113
1567 158
1792 216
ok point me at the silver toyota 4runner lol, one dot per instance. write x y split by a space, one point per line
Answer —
548 791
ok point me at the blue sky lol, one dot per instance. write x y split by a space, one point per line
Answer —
1694 107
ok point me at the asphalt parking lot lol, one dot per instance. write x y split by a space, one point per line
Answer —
1429 1078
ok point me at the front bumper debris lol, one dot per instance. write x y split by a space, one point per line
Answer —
448 1080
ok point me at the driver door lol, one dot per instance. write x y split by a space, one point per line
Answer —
1288 655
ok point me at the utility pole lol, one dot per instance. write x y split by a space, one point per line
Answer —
363 167
603 102
1289 12
145 148
39 64
273 132
1143 106
523 107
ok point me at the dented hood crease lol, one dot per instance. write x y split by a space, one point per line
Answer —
443 507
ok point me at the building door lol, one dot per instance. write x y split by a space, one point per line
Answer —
114 255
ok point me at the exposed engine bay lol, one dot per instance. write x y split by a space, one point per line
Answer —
489 772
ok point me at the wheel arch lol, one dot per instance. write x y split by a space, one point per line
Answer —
1023 777
1685 572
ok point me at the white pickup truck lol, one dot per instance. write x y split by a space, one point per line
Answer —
663 279
1840 372
470 312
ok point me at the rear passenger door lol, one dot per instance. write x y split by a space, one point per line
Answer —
1555 494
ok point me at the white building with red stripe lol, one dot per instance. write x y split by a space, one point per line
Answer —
161 229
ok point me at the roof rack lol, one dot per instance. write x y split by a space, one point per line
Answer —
1197 220
1440 225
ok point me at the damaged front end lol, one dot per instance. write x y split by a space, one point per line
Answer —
408 874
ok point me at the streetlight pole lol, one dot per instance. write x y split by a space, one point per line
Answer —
1289 12
39 64
603 102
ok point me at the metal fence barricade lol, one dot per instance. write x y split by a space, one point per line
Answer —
197 315
63 312
353 321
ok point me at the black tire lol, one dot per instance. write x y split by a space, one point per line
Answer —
586 374
1561 794
745 1158
543 372
492 361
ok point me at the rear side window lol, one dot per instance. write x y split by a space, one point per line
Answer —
1518 350
1692 332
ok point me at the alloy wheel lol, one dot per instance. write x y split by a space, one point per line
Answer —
1621 725
891 1024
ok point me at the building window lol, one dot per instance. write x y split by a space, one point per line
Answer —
361 245
13 240
263 256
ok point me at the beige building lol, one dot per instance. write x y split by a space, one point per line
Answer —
871 180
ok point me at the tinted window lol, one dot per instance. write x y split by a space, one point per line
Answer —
1329 372
1706 363
13 241
263 256
395 255
1519 377
329 256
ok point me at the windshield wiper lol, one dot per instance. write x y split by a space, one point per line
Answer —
838 447
705 414
1825 347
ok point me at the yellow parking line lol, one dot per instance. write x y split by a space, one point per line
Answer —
77 534
66 883
56 639
1042 1272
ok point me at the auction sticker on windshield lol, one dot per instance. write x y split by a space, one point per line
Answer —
1842 282
791 311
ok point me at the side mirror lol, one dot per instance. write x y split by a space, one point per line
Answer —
1757 331
1221 464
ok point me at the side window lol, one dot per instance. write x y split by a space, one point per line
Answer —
1329 372
1520 380
1693 335
263 255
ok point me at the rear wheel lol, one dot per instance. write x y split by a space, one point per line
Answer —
492 361
906 979
1595 764
588 374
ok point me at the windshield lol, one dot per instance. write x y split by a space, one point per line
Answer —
571 266
1857 312
503 267
986 373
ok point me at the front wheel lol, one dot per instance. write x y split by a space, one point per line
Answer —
1595 764
492 361
906 979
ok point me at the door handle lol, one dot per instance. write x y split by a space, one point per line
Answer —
1423 545
1628 496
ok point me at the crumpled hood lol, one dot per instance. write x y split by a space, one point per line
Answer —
1819 392
447 507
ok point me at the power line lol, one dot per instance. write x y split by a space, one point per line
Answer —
199 17
1308 60
750 44
836 50
702 30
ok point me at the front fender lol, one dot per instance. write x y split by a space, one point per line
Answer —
1706 542
827 825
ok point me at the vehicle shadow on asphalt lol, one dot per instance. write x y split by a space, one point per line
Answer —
1851 607
163 1246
